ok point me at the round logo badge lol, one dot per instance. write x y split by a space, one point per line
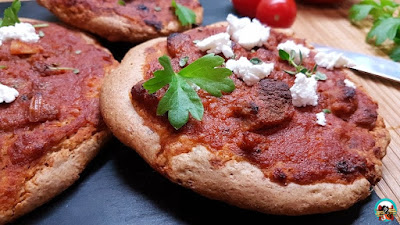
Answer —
385 210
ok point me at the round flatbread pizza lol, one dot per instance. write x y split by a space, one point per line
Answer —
50 121
128 21
267 124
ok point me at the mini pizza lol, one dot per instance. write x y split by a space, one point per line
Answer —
266 124
128 21
50 121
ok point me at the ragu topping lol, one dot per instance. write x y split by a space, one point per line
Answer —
155 13
52 104
259 123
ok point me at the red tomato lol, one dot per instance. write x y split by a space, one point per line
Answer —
323 1
246 7
277 13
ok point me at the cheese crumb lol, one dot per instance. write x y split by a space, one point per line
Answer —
216 44
304 91
332 60
321 120
249 72
247 33
21 31
289 46
7 94
349 84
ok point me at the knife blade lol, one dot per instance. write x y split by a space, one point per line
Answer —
365 63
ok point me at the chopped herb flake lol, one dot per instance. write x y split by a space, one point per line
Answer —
41 34
326 111
157 9
121 2
41 25
255 61
183 61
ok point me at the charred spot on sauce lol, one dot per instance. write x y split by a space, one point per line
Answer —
142 7
156 24
280 176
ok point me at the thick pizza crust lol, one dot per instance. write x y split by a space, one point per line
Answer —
238 183
55 173
60 168
113 27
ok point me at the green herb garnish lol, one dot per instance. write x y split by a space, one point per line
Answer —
74 70
157 9
185 15
121 2
386 22
255 61
10 17
326 111
183 61
40 25
41 34
180 98
299 68
3 67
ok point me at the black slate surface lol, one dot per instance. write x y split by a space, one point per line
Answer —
118 187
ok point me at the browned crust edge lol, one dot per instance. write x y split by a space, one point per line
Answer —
238 183
113 27
58 170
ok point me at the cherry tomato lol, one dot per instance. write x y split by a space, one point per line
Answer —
277 13
322 1
246 7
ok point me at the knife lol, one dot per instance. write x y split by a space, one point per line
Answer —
369 64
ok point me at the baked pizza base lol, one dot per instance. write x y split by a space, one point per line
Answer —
111 25
238 183
59 168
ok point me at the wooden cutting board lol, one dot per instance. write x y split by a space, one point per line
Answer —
330 26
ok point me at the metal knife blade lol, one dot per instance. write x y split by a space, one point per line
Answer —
369 64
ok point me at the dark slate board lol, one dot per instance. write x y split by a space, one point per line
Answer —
118 187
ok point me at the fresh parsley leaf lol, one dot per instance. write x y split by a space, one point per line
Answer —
11 14
360 11
284 55
320 76
185 15
180 98
206 74
384 29
395 54
121 2
161 77
179 101
183 61
255 61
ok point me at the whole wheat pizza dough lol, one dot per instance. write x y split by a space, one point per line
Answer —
53 127
253 148
130 21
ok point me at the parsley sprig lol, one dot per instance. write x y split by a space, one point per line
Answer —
180 98
10 17
299 68
185 15
386 22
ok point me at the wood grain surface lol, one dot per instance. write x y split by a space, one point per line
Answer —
330 26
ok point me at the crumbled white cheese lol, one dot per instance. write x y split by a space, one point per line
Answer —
289 46
321 120
304 91
7 94
349 84
21 31
332 60
249 72
247 33
216 44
